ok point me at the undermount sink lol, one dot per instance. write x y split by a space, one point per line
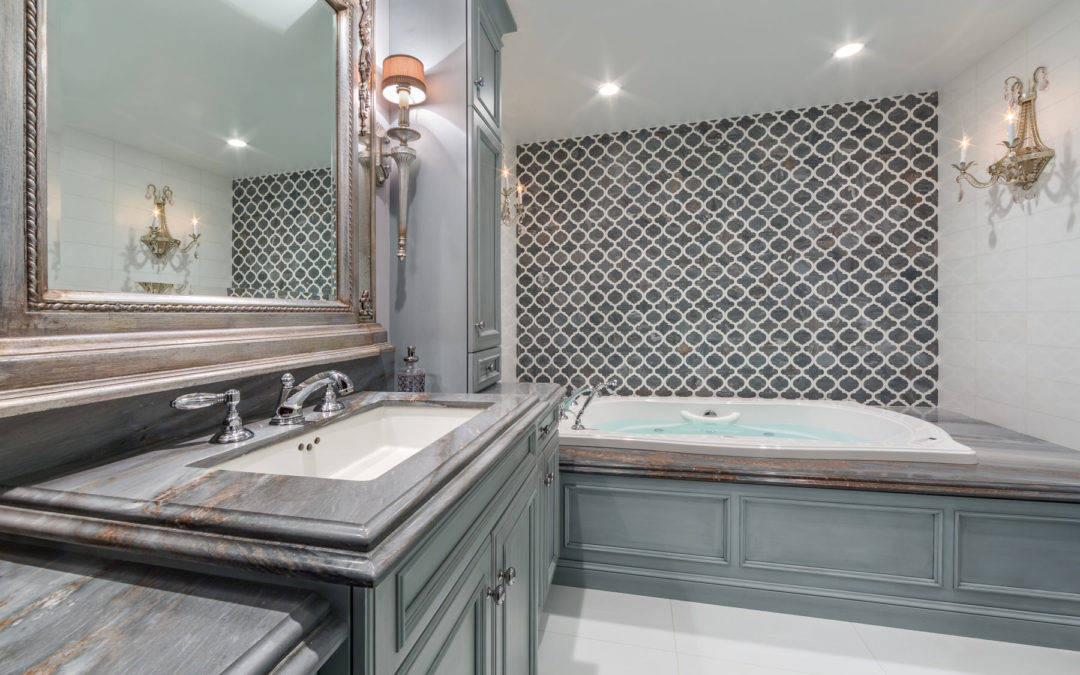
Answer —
359 447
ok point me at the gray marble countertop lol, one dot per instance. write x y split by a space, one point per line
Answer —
81 614
161 502
1011 465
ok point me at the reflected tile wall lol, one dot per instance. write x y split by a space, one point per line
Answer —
787 254
284 241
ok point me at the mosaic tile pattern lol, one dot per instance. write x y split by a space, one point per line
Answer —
284 242
789 254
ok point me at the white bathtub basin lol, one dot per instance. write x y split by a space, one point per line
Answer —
762 428
360 447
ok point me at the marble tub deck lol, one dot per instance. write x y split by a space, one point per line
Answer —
61 612
163 503
1010 465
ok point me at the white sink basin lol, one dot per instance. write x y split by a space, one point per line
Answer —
361 447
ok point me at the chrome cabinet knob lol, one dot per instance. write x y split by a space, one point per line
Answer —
509 575
491 367
479 325
479 82
549 478
498 594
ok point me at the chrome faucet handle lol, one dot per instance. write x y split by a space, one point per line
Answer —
330 403
232 429
610 385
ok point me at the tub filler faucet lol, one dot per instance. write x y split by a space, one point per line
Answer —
290 409
591 392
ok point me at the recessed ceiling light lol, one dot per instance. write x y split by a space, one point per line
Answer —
237 142
850 49
608 89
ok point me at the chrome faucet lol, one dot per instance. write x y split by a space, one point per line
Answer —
592 391
290 408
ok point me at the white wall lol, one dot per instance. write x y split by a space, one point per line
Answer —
98 209
1010 273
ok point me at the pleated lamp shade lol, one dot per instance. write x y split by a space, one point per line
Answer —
402 70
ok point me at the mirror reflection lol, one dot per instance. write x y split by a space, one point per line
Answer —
190 147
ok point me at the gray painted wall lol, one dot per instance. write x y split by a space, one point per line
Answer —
428 289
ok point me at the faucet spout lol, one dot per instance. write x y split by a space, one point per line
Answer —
590 393
293 396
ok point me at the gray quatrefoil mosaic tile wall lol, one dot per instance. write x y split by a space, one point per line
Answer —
789 254
284 238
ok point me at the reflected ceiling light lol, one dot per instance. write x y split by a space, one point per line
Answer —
237 142
608 89
850 49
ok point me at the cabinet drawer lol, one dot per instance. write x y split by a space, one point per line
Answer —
547 426
485 368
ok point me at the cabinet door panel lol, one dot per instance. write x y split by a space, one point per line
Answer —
484 328
515 646
459 643
487 57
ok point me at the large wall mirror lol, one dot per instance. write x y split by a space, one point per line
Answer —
175 172
202 153
191 147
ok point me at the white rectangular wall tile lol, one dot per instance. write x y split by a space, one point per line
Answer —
1010 273
98 210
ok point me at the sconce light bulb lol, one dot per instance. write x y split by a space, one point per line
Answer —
608 89
965 142
237 142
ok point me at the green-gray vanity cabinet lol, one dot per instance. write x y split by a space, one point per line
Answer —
466 599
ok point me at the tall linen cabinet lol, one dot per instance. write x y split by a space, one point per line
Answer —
444 297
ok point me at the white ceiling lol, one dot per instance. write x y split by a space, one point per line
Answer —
179 77
691 60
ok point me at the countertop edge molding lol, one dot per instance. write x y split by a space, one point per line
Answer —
51 396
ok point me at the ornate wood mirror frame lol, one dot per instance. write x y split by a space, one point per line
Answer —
61 347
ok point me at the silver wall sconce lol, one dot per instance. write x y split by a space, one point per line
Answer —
158 241
403 83
1027 155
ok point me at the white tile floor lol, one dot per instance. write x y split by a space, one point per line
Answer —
591 632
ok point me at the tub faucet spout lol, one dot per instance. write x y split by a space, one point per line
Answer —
590 392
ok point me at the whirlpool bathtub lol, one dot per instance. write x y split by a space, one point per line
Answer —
761 428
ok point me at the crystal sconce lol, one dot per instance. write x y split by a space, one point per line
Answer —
1027 156
403 83
158 241
512 211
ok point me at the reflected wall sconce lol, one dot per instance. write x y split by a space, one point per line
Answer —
1027 155
403 83
158 241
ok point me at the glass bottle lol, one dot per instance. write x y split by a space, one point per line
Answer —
412 377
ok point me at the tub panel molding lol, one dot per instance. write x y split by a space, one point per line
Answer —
994 568
1021 555
645 523
897 545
